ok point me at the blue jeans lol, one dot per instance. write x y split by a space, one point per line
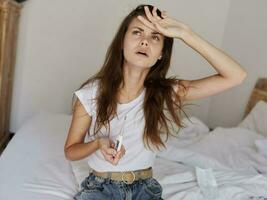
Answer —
98 188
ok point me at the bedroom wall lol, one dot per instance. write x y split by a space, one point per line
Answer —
62 42
245 39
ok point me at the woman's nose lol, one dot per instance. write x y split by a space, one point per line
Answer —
144 42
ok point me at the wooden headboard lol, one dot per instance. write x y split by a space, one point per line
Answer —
9 18
259 93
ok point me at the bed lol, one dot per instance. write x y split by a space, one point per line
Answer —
225 163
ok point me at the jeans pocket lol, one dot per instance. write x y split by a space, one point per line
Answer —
92 183
153 187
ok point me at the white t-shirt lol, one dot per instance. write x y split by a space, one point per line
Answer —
136 156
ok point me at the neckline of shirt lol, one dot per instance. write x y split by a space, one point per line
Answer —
132 101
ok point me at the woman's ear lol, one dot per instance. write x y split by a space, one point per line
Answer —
160 57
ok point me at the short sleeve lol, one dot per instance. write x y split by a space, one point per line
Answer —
87 97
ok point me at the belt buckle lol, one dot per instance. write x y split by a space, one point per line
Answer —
126 181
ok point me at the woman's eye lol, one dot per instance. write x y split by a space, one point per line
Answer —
136 32
155 37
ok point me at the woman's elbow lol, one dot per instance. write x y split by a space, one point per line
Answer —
243 76
67 154
237 80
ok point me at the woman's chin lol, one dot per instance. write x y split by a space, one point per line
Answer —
139 64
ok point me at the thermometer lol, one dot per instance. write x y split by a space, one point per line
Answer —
118 142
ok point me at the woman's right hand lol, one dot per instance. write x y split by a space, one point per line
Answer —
110 154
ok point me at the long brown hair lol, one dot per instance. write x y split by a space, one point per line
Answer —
160 98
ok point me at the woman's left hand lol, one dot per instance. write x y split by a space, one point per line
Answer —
166 25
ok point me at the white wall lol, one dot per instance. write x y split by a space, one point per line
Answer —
245 39
62 42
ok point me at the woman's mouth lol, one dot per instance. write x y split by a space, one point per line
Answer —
142 54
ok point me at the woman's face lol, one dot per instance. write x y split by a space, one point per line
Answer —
142 46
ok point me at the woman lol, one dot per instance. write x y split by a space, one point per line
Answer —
131 97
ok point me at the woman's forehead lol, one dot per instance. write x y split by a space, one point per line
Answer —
135 23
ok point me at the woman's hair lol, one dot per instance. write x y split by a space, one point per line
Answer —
162 105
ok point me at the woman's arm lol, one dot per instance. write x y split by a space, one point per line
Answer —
230 73
75 148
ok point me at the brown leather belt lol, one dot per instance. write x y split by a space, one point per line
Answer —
127 177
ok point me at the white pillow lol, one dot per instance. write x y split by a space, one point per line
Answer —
194 130
222 149
256 120
193 127
262 146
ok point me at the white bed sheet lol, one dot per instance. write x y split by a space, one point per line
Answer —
33 167
236 164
